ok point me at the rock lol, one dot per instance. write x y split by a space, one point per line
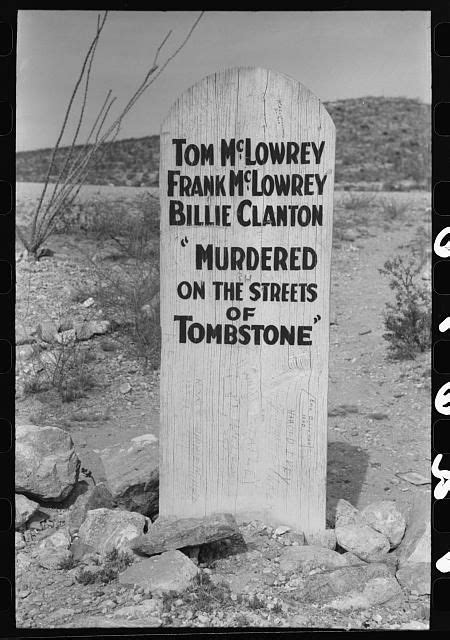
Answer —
91 469
377 416
296 538
46 463
102 622
19 541
416 544
25 508
25 352
351 559
89 302
376 592
346 513
108 529
304 559
383 516
47 331
23 336
325 538
148 608
388 559
362 540
65 324
37 519
242 581
279 531
131 474
79 550
23 562
125 388
95 497
203 619
66 337
414 478
168 534
326 586
416 625
170 571
63 612
48 360
56 540
53 550
86 330
417 548
300 620
416 577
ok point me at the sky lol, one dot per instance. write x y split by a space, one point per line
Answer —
336 55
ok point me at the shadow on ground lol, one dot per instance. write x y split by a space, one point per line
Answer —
346 471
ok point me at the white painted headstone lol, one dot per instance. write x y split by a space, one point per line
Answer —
246 179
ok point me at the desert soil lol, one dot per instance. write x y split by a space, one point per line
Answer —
379 410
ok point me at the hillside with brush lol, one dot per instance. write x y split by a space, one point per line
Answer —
381 143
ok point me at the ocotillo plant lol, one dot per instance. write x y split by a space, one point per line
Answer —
58 194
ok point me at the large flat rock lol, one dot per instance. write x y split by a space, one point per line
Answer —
166 534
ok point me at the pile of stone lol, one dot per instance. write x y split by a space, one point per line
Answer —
371 557
380 556
63 332
48 479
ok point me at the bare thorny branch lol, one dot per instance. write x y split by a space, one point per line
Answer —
74 171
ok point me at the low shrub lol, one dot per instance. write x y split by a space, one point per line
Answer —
128 294
393 209
114 563
65 368
132 224
357 201
407 319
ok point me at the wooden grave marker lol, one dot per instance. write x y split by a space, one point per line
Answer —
246 180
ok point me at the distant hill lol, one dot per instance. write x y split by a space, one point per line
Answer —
381 143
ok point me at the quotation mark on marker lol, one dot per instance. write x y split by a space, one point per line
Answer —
184 241
445 324
316 319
